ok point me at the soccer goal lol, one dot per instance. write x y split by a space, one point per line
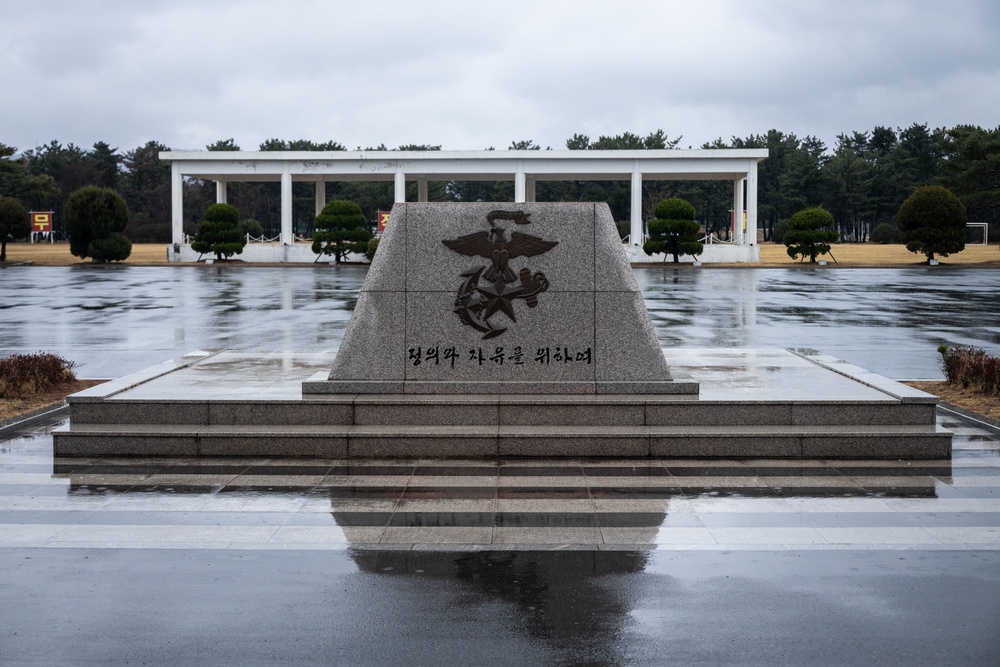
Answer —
977 233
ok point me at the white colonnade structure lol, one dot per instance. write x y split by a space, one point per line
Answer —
525 168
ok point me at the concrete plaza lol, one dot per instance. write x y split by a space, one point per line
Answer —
222 560
258 561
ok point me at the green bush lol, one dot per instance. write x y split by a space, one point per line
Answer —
372 249
26 374
674 208
624 228
932 221
884 233
252 227
14 223
340 229
810 233
93 213
114 248
219 232
674 231
778 233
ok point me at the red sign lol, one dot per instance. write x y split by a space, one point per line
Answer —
41 221
383 218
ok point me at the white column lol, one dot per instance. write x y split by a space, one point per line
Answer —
635 235
320 196
752 202
400 186
176 203
519 182
422 189
738 237
286 209
221 191
529 189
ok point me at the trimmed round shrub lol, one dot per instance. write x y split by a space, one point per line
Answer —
114 248
340 229
14 223
674 231
810 233
932 221
778 233
674 208
252 227
883 233
220 232
93 213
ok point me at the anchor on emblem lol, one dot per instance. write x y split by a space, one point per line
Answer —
476 303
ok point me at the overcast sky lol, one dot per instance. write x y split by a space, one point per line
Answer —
471 75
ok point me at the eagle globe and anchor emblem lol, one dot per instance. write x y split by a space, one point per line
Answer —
477 302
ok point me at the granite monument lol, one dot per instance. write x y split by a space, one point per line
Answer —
500 298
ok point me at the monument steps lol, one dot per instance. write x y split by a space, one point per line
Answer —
532 410
471 440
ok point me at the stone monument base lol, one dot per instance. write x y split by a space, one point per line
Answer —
752 404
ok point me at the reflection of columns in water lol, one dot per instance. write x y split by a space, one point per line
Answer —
183 292
745 303
289 332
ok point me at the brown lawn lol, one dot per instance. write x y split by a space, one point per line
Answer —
877 255
771 255
988 406
57 254
15 407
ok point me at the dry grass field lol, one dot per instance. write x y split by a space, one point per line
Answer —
771 255
877 255
57 254
983 404
12 408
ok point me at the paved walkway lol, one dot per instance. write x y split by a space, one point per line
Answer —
503 504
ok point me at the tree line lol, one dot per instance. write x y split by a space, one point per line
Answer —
862 180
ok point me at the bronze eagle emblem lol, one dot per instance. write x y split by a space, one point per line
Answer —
493 244
476 303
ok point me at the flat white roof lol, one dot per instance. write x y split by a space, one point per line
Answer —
708 164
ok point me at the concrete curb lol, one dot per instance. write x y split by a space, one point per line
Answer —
992 424
33 418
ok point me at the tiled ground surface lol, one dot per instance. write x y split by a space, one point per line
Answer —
507 504
738 374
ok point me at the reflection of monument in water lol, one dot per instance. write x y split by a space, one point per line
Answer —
558 598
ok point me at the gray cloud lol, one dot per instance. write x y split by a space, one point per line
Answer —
469 75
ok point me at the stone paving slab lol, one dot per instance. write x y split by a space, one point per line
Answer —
333 503
723 374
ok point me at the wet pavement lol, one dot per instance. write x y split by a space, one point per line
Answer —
119 319
582 562
496 562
